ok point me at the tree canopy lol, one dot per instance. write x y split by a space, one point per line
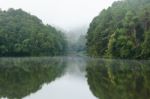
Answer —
121 31
22 34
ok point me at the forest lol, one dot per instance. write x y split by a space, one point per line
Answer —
121 31
22 34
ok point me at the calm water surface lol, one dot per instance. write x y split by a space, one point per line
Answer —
73 78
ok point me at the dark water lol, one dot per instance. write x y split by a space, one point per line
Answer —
73 78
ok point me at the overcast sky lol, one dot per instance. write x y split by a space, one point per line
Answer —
66 14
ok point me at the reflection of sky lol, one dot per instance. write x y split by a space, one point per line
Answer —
67 87
73 85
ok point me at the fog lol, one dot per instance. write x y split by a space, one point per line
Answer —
65 14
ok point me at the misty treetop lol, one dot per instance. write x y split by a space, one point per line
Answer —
22 34
121 31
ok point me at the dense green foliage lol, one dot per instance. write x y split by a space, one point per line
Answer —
19 77
119 79
121 31
22 34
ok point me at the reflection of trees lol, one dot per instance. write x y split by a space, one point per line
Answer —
116 79
21 77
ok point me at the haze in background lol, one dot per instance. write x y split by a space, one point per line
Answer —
65 14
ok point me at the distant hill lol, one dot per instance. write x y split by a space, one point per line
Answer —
76 40
74 34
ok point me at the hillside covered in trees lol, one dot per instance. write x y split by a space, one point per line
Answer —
121 31
22 34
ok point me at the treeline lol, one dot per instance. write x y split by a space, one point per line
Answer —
121 31
22 34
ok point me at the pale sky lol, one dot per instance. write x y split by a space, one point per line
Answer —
66 14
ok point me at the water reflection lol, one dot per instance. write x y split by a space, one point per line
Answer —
73 78
119 79
72 85
20 77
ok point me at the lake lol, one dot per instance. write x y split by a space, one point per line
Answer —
73 78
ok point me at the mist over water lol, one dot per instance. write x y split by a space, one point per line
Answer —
73 78
75 75
71 85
